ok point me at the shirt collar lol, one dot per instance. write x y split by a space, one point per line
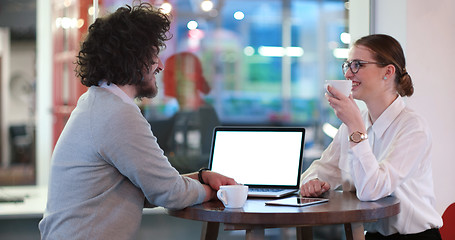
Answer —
113 88
387 117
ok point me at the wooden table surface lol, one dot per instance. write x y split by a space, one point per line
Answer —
255 216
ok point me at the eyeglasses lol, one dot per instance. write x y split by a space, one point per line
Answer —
355 65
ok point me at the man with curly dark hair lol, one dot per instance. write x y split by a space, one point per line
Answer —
107 164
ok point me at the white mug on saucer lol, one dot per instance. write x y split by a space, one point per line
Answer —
233 196
344 86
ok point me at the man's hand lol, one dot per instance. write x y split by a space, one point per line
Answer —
314 188
212 181
215 180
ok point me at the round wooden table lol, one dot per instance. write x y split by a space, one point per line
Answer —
342 208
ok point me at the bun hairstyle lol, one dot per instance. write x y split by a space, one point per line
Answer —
387 49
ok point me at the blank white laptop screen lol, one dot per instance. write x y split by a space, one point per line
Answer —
262 156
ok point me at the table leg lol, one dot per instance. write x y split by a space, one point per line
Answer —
304 233
210 230
354 231
255 233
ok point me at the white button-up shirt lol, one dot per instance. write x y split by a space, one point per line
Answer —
394 161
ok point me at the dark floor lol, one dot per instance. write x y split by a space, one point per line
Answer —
160 226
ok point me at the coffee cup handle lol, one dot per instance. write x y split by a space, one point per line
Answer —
326 86
221 194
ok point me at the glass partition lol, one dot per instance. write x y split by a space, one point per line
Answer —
264 63
17 102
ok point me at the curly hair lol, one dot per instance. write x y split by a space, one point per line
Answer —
120 46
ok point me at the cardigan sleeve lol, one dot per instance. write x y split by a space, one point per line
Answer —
124 139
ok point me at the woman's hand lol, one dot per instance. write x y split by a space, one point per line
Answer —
314 188
345 109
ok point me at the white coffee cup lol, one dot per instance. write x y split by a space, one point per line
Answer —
233 196
344 86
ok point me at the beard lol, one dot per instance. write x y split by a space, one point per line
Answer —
146 89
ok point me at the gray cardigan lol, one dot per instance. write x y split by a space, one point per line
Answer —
105 164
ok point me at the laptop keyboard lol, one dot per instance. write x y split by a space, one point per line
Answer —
265 190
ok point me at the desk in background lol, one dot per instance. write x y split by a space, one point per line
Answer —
32 206
342 208
20 220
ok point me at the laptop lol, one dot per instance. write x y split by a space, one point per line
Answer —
266 159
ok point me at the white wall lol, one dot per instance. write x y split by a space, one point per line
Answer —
43 91
427 31
359 16
20 83
4 95
431 38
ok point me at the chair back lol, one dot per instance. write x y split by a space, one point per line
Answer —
448 229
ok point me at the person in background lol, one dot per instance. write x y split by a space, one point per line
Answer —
382 150
107 164
187 145
184 80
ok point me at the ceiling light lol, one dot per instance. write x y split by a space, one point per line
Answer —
166 8
206 5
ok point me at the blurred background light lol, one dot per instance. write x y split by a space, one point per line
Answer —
206 5
196 34
166 8
249 51
239 15
341 53
329 130
269 51
294 51
345 38
192 25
